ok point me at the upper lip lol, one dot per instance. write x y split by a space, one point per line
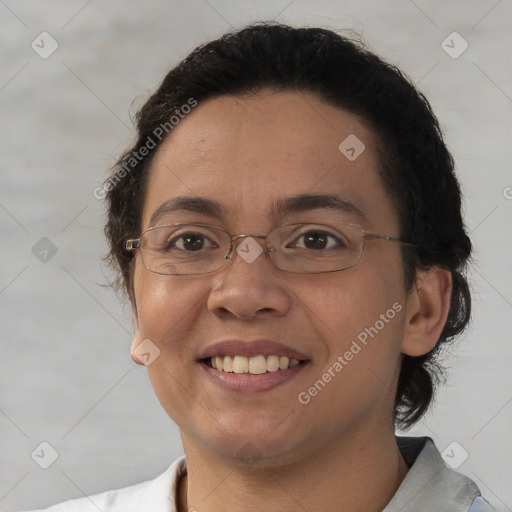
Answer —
250 348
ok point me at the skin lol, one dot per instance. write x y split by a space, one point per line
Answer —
245 152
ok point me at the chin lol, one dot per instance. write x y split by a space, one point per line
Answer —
251 442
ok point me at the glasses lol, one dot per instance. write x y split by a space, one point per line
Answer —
192 249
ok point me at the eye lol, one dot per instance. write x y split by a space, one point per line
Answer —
190 242
317 240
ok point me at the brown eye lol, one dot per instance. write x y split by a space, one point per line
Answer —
317 240
191 242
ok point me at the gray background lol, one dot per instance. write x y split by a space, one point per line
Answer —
66 376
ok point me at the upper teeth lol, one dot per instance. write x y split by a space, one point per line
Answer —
255 365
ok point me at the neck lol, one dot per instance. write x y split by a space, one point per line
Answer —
361 474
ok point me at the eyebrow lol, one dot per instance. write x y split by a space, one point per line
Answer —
201 205
280 207
307 202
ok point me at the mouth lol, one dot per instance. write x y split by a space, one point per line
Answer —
255 365
251 365
252 374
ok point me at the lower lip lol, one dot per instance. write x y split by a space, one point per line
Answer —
251 383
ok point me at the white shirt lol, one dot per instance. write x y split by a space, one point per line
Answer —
429 486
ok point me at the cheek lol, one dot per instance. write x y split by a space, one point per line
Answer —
349 301
168 308
359 313
168 312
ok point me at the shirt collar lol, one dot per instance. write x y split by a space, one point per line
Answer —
162 493
430 484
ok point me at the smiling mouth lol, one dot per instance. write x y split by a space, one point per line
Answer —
255 365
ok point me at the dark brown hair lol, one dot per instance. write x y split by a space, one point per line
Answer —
416 167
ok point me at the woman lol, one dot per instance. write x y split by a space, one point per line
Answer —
287 227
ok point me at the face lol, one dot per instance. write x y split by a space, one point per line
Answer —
248 154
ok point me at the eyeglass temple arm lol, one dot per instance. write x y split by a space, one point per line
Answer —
376 236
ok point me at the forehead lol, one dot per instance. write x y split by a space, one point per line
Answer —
250 153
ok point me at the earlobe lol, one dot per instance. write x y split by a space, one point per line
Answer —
427 309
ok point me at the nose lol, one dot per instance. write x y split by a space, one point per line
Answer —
250 286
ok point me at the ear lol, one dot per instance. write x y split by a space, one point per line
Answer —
137 337
427 309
